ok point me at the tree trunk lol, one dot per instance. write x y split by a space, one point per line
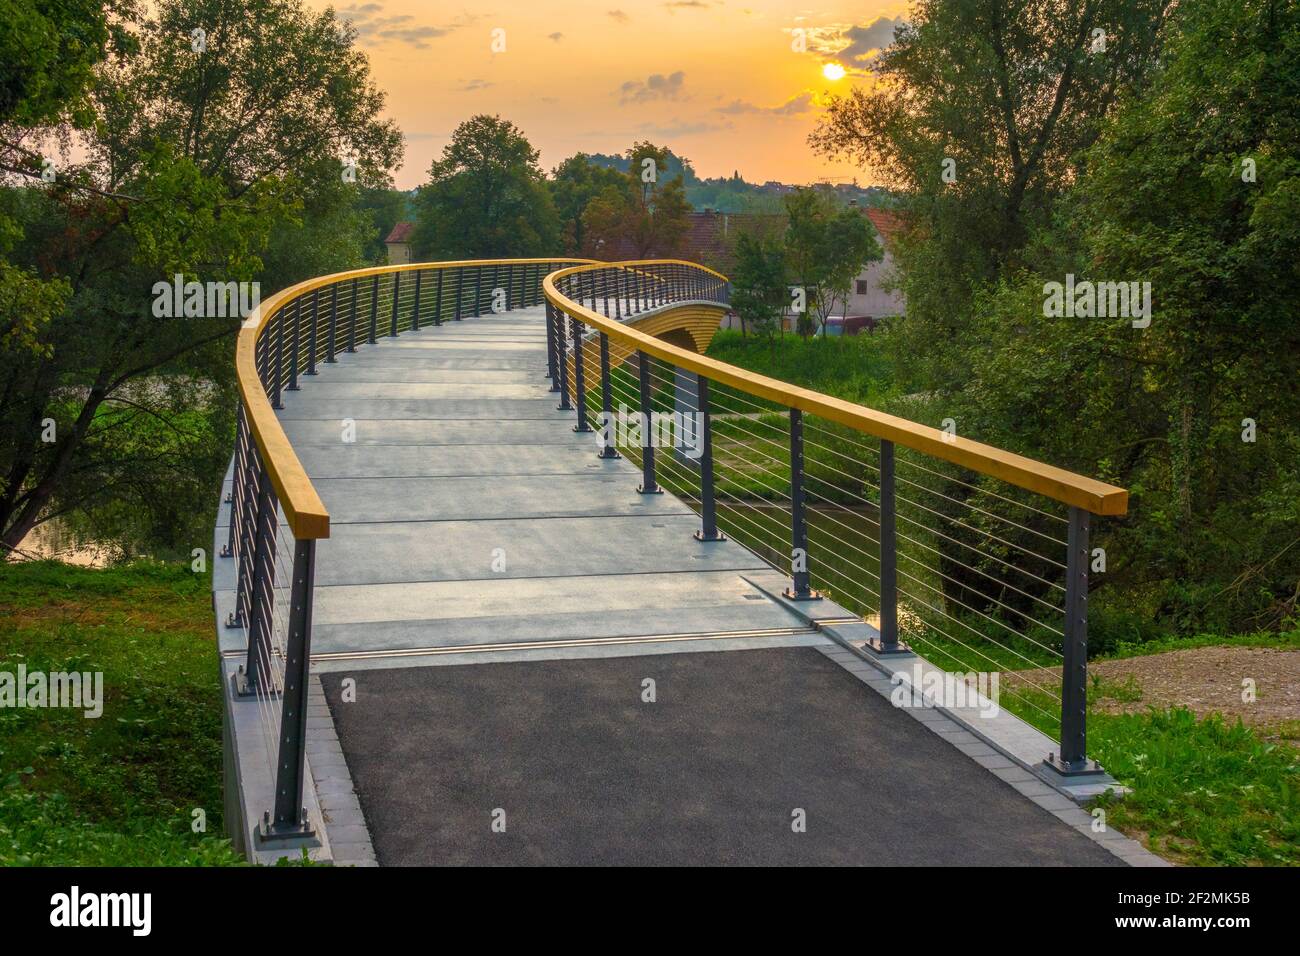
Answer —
29 515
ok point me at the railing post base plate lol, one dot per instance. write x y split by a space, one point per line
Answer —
643 490
717 536
242 689
791 594
877 646
1055 766
269 834
609 453
583 429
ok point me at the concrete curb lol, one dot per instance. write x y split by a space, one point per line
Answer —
345 824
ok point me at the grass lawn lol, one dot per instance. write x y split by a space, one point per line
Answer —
121 789
1205 792
852 367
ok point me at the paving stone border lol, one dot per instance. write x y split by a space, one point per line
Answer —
349 837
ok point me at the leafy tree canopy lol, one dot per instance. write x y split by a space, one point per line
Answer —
201 157
486 197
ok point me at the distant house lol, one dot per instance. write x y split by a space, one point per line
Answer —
868 300
399 243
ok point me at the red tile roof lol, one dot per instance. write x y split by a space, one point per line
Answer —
401 232
710 239
887 223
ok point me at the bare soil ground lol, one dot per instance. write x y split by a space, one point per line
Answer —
1203 679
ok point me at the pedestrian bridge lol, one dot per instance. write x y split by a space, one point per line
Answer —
514 573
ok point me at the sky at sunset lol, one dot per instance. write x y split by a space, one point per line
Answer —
718 81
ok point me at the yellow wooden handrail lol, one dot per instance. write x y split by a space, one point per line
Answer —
1072 489
303 510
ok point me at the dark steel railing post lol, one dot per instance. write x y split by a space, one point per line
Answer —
415 307
551 371
311 332
648 484
608 445
1073 758
437 300
228 550
250 677
460 291
295 346
800 589
579 380
352 321
392 318
510 287
562 356
289 817
278 376
888 642
478 291
248 504
374 311
331 336
704 434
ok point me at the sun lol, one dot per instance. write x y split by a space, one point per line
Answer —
833 71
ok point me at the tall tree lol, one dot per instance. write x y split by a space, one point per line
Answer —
574 184
978 115
49 52
224 126
1194 188
646 211
1182 174
759 291
486 197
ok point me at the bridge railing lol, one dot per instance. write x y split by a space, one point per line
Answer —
276 516
973 555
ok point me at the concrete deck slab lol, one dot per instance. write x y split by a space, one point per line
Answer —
374 431
412 551
298 405
339 460
488 497
408 386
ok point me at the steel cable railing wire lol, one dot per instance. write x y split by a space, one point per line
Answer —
750 524
975 577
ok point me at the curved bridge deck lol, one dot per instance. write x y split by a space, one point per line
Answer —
471 526
467 513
